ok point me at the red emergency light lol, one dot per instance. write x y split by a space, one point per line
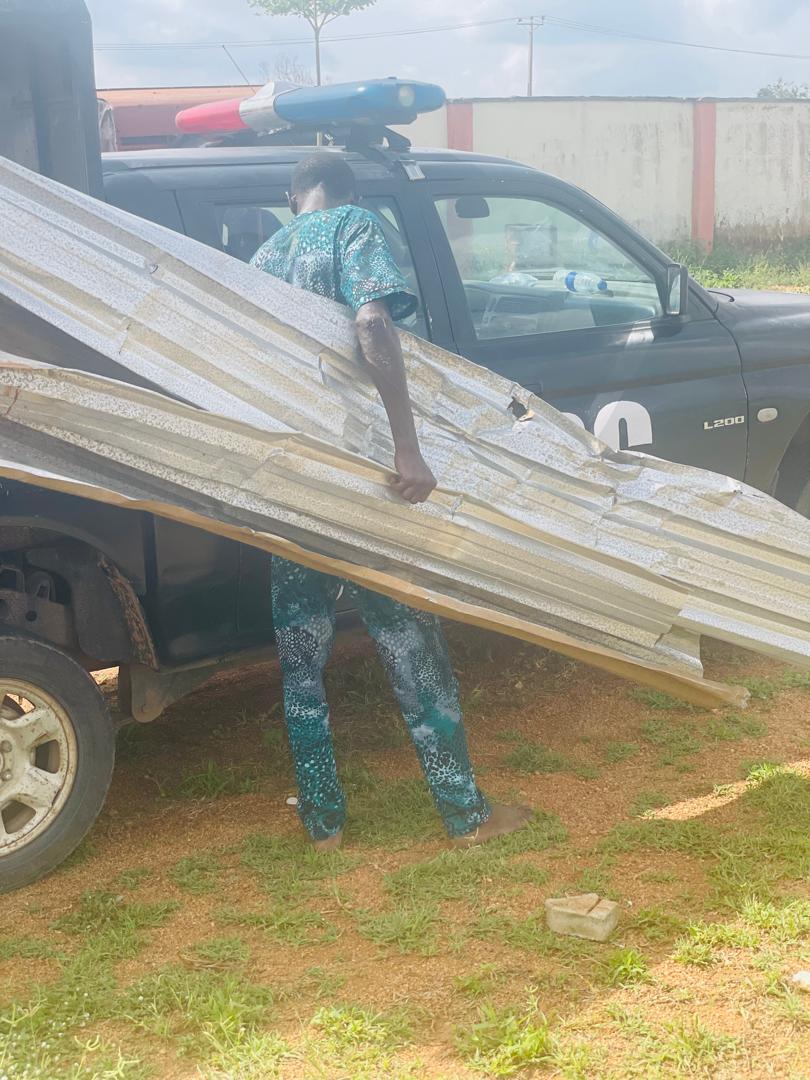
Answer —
214 116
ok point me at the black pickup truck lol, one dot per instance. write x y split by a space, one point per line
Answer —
513 269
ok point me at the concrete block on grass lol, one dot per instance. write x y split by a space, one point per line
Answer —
585 916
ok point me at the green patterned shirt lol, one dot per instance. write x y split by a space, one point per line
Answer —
340 253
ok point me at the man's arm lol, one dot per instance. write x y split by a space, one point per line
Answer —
382 353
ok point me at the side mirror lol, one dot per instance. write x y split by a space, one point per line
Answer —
470 207
677 290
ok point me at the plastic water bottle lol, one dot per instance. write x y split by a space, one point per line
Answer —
580 281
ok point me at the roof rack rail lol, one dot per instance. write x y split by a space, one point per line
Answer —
377 143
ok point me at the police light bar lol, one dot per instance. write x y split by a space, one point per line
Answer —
376 103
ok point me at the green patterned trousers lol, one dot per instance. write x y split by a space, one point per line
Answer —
414 653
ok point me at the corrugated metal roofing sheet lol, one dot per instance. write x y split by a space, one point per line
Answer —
536 527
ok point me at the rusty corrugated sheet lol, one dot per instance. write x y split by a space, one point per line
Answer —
536 527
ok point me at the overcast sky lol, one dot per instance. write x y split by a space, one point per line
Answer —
481 61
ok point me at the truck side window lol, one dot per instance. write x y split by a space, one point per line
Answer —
530 268
244 227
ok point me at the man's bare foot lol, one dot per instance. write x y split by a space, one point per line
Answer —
502 820
331 843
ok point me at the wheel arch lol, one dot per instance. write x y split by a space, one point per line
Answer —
793 473
107 624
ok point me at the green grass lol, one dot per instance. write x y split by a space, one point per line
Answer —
687 837
784 923
480 982
767 845
386 813
789 1003
320 982
659 875
130 880
43 1035
197 874
534 757
186 1006
656 924
701 945
241 1053
218 954
646 801
407 929
679 1048
624 967
734 727
675 741
503 1042
543 831
112 925
748 267
614 752
285 925
358 1043
467 874
657 699
278 761
795 680
510 735
766 689
290 869
761 689
214 780
38 1034
529 934
596 879
23 947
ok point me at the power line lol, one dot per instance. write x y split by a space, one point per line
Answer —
124 46
563 24
588 28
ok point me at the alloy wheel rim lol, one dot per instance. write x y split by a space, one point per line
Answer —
38 757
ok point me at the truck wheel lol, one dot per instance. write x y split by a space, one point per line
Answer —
57 747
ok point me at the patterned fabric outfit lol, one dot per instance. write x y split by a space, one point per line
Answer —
342 253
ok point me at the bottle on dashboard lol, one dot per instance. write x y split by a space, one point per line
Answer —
580 281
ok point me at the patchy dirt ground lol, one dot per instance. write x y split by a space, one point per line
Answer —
194 934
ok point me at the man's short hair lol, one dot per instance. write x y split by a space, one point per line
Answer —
325 170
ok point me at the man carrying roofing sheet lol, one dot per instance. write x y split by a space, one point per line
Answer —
337 249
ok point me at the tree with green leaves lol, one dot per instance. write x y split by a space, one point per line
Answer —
318 13
782 90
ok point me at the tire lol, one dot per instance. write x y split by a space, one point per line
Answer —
57 749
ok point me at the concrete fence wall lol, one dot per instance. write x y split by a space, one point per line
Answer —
700 170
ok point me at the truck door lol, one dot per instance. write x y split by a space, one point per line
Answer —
670 385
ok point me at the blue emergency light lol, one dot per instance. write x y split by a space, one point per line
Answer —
376 103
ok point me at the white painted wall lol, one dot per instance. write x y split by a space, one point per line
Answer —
635 156
429 129
762 179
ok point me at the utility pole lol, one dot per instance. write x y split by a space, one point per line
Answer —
534 22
